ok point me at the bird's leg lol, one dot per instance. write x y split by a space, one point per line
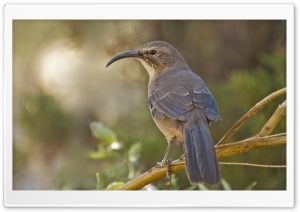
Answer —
164 160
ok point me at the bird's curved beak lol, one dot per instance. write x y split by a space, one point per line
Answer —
133 53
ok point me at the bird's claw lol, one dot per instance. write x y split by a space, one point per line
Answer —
182 157
166 163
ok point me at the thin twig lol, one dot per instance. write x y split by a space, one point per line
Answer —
273 121
251 113
223 151
253 164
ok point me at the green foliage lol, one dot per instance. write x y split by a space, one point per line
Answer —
109 148
41 112
227 186
133 156
108 143
98 182
102 133
247 87
224 186
114 185
202 187
251 186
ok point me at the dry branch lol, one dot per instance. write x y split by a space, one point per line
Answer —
273 121
250 113
223 151
253 164
241 147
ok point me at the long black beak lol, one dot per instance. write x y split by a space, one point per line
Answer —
133 53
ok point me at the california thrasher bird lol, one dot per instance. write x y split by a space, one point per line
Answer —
181 106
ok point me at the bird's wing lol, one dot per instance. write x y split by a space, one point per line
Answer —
202 98
177 103
174 104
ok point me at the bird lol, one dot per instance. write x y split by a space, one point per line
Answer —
181 106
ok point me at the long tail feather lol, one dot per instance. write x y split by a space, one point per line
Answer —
201 160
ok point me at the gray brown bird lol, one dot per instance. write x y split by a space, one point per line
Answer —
181 106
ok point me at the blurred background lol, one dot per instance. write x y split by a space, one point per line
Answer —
80 126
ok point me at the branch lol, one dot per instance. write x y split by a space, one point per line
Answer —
223 151
252 164
241 147
250 113
273 121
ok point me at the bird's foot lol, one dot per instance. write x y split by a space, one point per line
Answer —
168 162
165 162
182 157
162 163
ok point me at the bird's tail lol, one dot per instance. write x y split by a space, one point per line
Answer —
201 160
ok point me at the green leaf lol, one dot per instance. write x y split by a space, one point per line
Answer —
202 187
98 180
192 187
103 154
114 186
225 184
134 151
251 186
103 133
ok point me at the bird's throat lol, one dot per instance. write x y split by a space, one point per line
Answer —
150 69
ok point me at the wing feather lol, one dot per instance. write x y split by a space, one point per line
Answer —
177 103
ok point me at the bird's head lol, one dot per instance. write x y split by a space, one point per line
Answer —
156 56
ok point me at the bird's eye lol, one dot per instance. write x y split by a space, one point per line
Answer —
152 52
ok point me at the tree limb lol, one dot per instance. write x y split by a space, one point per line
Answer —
273 121
241 147
223 151
250 113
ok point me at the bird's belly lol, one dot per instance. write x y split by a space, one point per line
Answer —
170 128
